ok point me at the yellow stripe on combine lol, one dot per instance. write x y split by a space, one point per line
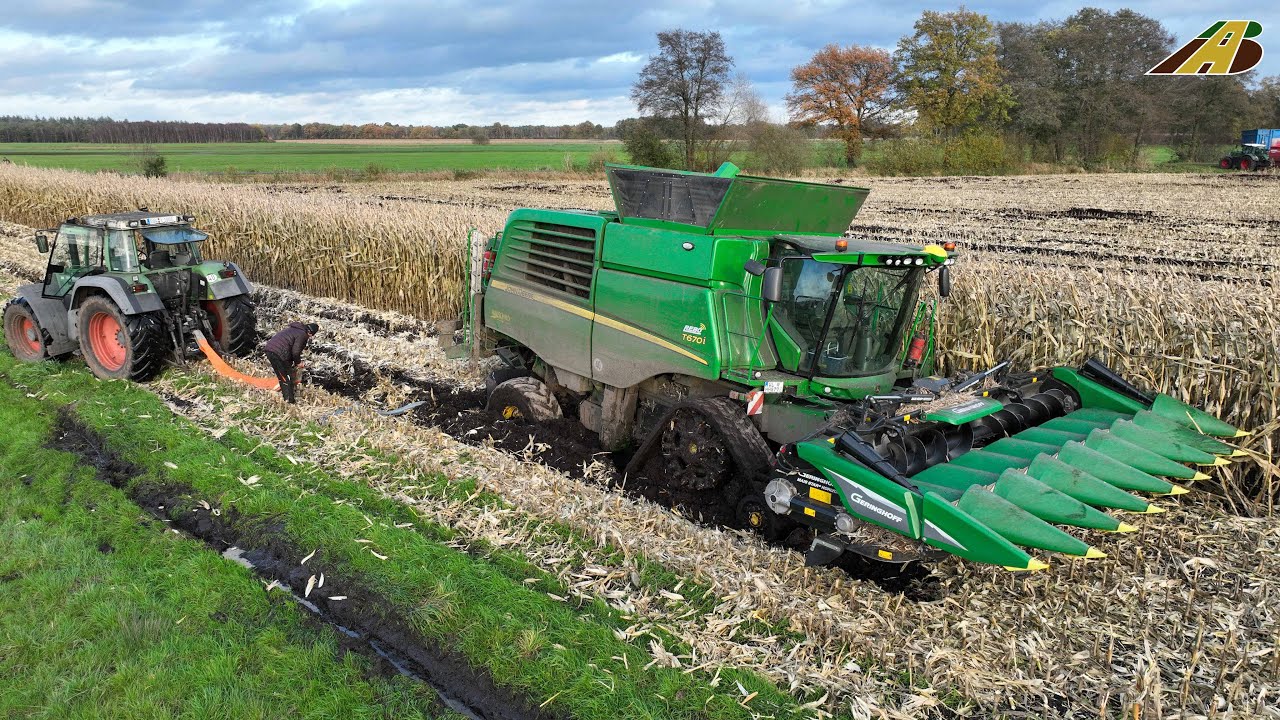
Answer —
545 299
602 319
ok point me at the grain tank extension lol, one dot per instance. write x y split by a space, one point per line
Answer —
724 330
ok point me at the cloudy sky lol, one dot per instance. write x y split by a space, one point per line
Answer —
440 62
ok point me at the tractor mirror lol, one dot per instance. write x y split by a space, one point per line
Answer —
772 290
944 281
42 243
754 267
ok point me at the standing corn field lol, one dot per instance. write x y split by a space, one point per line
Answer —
1173 292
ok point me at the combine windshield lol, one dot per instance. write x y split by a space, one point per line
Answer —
847 320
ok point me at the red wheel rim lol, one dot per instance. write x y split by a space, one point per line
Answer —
105 335
30 335
1244 164
215 319
1224 164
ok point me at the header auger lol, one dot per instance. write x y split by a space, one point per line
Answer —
755 359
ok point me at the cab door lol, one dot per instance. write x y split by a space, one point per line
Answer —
76 252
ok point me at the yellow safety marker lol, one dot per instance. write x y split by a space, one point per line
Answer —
1032 566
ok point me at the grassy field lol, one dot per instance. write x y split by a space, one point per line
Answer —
369 159
312 157
399 574
106 613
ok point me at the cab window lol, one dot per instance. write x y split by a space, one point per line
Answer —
77 248
122 252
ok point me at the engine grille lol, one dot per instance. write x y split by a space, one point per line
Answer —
558 257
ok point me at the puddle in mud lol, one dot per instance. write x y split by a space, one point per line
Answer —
402 665
360 615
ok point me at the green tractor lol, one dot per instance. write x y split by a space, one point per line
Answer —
724 330
129 291
1248 157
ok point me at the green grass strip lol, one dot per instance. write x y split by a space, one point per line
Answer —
105 613
528 641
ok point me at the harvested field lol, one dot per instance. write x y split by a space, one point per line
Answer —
1179 621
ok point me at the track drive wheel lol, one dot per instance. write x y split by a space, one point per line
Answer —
119 346
706 455
234 324
524 397
22 333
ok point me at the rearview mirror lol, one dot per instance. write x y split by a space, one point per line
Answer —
944 281
754 267
42 243
772 288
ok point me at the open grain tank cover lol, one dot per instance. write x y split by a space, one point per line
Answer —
726 204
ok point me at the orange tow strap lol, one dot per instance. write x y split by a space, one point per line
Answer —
226 370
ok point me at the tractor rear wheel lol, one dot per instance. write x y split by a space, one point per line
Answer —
119 346
234 324
524 397
22 333
1246 164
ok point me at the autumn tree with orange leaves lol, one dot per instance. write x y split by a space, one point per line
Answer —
845 88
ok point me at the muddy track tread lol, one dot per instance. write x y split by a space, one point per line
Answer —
747 446
543 405
241 337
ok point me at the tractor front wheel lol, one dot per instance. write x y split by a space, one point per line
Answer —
119 346
1225 163
22 333
234 325
524 397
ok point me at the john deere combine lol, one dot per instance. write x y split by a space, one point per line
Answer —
723 328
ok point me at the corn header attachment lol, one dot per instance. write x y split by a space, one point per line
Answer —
776 373
994 473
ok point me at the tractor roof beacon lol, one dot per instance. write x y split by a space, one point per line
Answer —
779 372
128 291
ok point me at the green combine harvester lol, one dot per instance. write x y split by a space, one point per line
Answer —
761 364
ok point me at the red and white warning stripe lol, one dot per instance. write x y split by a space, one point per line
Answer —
755 402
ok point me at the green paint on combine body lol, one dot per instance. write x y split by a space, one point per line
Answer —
726 327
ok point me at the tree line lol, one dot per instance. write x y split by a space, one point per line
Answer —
960 89
106 130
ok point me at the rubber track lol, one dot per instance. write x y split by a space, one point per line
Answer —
749 450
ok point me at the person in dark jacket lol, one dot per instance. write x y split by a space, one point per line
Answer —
284 352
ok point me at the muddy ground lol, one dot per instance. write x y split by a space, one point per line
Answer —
361 621
567 446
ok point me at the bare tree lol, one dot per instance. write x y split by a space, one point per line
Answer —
685 81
